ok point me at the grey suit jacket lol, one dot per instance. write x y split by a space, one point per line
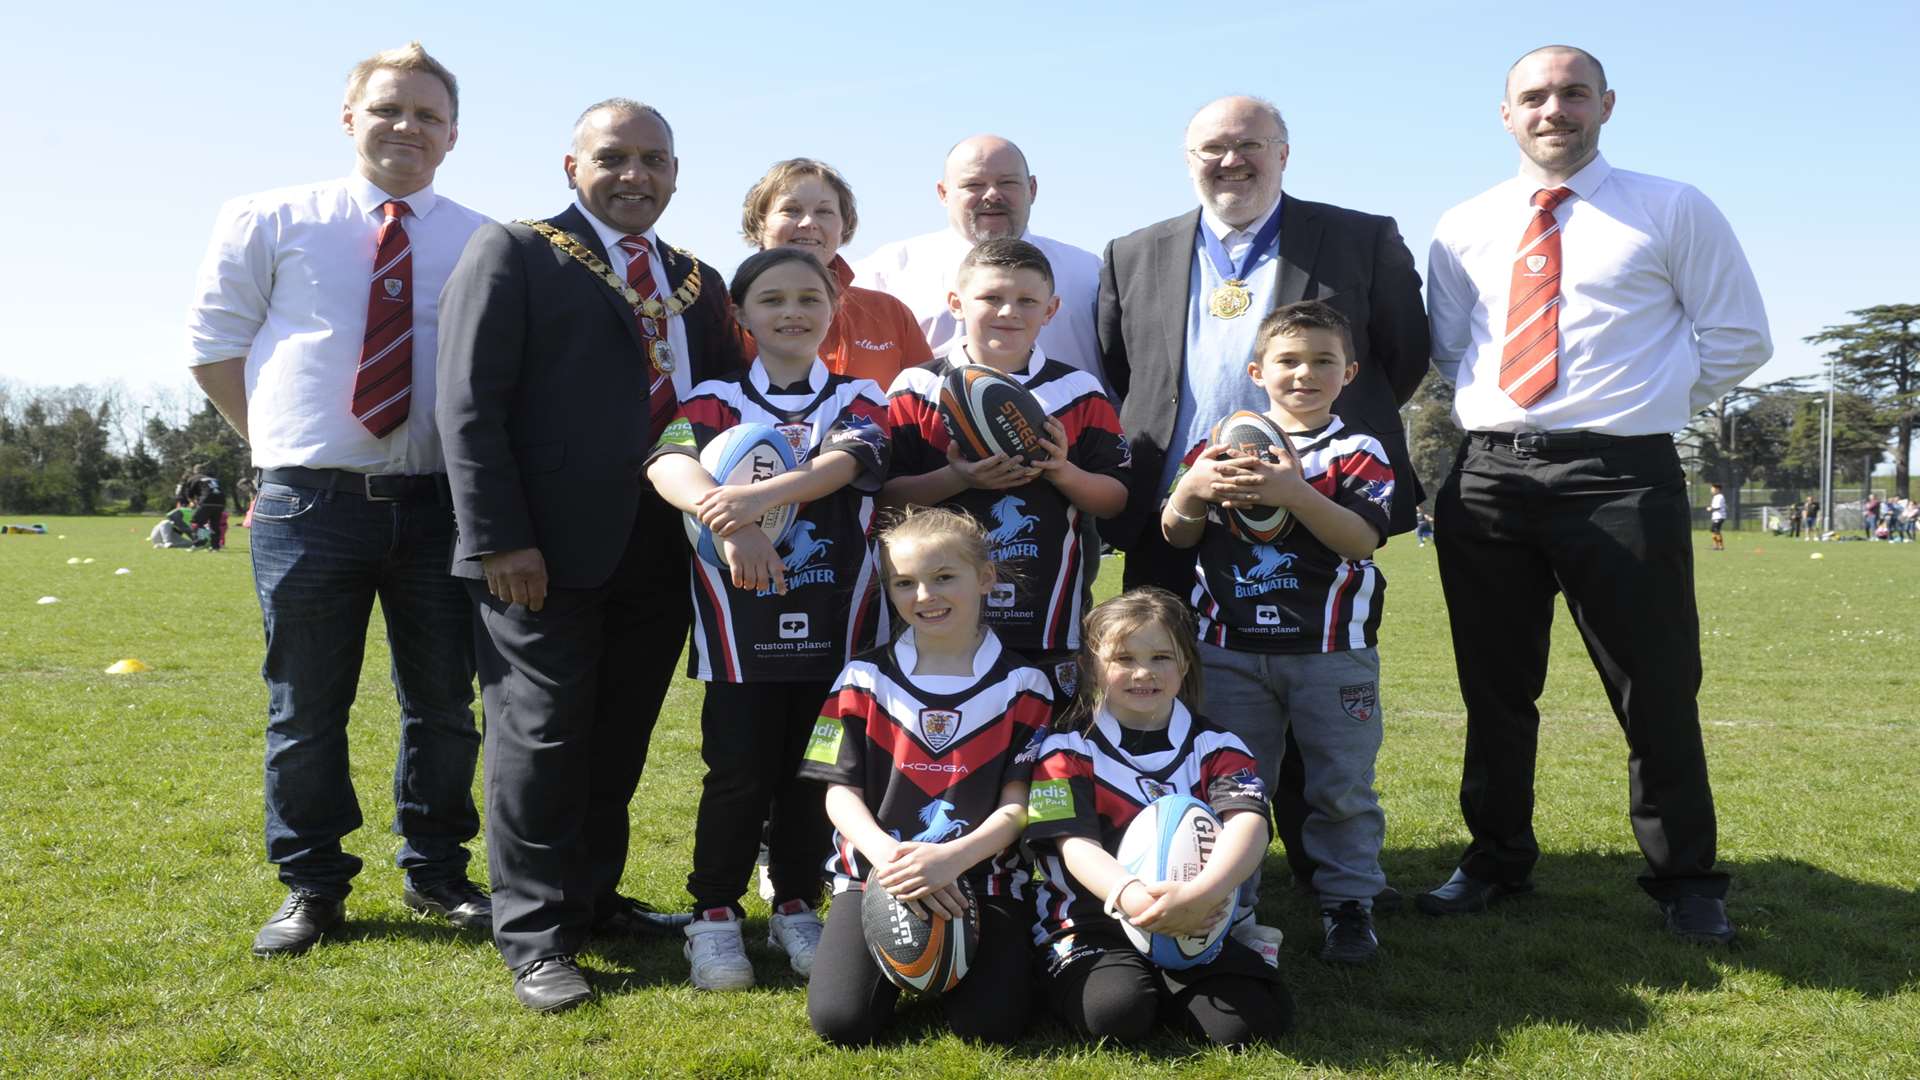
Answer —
1356 262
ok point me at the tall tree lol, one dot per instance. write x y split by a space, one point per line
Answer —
1878 357
1743 435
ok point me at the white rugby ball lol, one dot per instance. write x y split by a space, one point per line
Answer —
744 454
1249 432
1171 840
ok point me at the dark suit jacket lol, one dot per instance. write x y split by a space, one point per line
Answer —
543 399
1353 261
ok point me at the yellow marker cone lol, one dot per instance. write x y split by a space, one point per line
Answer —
129 666
1816 555
75 561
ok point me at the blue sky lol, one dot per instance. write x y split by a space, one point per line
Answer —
128 124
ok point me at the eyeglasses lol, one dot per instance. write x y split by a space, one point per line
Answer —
1214 151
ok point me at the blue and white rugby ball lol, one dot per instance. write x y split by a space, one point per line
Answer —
1171 840
744 454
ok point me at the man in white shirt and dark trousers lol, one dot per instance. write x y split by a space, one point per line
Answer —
313 331
1584 313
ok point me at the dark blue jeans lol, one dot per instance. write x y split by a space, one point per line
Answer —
319 560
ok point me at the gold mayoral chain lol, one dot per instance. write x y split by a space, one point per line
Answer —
1231 300
646 310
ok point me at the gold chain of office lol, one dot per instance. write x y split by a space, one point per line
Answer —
681 300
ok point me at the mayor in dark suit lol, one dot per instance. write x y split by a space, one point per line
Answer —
564 348
1179 303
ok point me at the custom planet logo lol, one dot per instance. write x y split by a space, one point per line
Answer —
1012 527
793 625
1002 595
938 726
1268 572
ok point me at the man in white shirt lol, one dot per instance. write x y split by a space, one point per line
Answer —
1583 313
312 329
988 192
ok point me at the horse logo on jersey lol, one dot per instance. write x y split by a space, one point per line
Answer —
1153 789
1269 572
804 553
799 437
1379 493
1012 523
939 826
937 727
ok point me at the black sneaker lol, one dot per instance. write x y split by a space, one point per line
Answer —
1349 930
627 917
460 902
304 919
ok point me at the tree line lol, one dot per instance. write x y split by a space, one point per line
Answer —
84 450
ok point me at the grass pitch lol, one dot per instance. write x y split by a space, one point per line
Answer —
132 880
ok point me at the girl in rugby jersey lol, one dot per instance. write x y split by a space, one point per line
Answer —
770 633
925 745
1137 738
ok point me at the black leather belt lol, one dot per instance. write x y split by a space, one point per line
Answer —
1527 443
374 487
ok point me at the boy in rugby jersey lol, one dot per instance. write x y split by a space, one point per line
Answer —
926 745
1288 627
772 631
1039 518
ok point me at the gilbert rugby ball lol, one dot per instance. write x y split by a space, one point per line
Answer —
1171 840
744 454
1251 433
987 413
920 956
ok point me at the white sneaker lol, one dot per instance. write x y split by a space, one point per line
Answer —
795 928
766 877
1264 940
716 951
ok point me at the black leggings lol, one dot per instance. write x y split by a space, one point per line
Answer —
850 1003
1111 991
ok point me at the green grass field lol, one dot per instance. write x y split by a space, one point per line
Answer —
132 879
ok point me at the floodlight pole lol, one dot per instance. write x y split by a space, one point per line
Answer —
1826 454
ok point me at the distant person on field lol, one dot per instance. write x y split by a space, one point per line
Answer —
200 490
1811 520
1793 521
172 531
313 330
1570 378
1717 516
1422 525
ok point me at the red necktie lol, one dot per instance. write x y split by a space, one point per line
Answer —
661 401
1530 359
384 384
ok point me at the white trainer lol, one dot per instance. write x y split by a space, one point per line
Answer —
717 952
795 928
1264 940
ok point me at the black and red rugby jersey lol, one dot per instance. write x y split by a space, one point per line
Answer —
1046 543
930 753
832 598
1085 785
1294 594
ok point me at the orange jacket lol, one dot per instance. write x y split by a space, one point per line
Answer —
873 335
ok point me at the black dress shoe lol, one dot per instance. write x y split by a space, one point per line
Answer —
301 921
1698 920
1463 895
627 917
460 902
553 984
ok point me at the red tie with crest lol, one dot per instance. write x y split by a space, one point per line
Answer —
661 401
383 387
1530 359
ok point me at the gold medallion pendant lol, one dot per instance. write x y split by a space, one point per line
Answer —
662 355
1231 300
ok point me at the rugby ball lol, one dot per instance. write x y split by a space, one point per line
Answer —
1251 433
744 454
920 956
1171 840
987 413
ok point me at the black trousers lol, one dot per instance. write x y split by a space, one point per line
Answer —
1610 528
751 738
1152 561
850 1003
1105 989
571 694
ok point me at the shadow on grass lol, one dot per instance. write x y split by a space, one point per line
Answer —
1586 952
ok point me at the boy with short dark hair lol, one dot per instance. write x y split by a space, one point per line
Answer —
1717 516
1038 516
1288 627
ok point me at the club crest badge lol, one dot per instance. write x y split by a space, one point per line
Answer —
394 287
1066 675
1359 701
1536 263
937 727
799 437
1153 789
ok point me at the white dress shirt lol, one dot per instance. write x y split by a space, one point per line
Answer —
610 238
1236 241
1659 312
284 284
919 272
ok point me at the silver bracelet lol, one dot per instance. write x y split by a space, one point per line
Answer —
1112 906
1175 511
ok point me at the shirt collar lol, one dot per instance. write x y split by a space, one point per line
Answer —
906 655
1034 363
841 272
369 197
1177 726
1583 183
757 375
1220 229
610 237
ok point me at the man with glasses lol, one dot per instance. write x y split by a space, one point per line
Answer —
1179 303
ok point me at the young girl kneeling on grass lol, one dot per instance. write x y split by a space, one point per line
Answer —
1138 740
926 744
770 633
